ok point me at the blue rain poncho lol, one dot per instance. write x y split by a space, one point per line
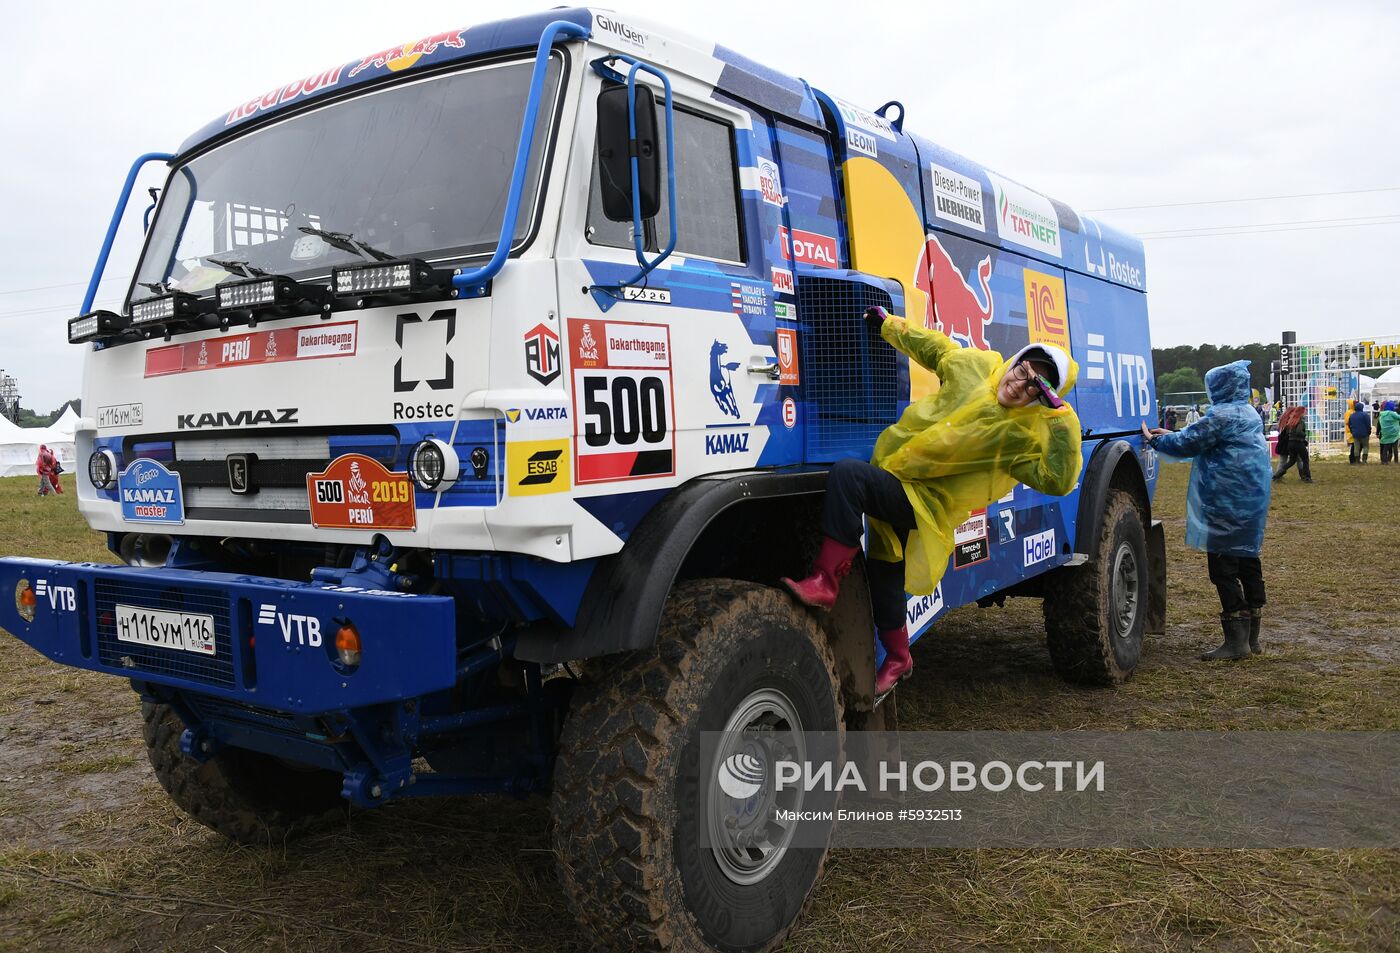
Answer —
1227 501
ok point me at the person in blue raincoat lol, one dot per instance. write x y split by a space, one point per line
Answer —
1227 502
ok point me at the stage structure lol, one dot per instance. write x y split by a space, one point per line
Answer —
9 397
1325 378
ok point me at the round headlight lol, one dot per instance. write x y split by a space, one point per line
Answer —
433 463
102 469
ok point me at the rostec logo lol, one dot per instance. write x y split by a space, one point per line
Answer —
425 350
1126 374
1039 547
770 184
1045 309
305 628
61 598
718 444
542 354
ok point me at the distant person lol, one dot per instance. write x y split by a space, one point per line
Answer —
1227 502
1293 444
1359 424
1388 430
48 468
1193 414
1171 418
1346 430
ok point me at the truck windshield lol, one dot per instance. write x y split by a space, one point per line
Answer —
418 170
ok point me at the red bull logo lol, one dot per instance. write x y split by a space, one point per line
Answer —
283 94
402 57
953 306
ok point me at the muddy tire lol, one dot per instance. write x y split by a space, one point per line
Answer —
1096 614
248 797
631 857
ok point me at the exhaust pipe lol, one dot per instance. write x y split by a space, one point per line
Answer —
147 550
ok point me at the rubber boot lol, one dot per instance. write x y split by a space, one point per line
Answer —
897 663
1256 621
820 589
1236 644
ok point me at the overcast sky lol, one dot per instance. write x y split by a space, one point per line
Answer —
1102 105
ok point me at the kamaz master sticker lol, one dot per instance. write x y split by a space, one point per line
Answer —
150 493
359 492
623 407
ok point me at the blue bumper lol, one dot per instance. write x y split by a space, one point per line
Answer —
273 641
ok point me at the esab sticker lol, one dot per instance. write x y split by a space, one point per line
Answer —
623 408
357 492
537 466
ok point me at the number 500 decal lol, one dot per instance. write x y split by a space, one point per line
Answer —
626 425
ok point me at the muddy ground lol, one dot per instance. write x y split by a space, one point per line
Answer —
94 856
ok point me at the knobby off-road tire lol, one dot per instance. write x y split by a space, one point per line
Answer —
627 837
1096 614
248 797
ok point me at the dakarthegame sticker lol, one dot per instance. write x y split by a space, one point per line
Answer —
358 492
402 57
258 347
150 493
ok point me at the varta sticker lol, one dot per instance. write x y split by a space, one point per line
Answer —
921 610
537 414
536 467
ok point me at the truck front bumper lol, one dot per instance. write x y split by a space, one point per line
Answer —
256 641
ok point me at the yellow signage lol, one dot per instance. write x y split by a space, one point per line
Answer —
1331 393
1047 318
534 467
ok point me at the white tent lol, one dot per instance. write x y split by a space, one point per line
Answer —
19 446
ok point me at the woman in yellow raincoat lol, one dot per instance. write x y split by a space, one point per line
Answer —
992 423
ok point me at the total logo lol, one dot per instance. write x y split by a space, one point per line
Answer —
61 598
306 628
1126 375
1038 548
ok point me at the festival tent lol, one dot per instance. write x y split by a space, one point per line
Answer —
19 446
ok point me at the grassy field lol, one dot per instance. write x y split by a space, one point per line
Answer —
93 856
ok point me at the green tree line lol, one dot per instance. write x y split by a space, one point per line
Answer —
1182 369
28 418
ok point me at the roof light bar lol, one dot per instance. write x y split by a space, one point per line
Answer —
167 308
410 277
95 324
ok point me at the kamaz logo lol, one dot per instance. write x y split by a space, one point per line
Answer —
241 418
722 443
306 628
61 598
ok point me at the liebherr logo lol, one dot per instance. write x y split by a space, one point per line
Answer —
305 628
237 418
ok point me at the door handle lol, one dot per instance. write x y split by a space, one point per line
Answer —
761 365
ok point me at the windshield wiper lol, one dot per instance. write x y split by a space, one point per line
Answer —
235 266
157 287
347 242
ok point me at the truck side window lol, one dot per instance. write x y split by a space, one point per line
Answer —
707 195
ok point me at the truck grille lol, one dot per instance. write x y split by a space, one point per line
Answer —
216 669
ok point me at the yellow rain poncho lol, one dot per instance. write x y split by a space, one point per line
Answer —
958 450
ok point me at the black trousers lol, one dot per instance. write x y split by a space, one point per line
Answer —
1239 580
855 489
1388 453
1304 468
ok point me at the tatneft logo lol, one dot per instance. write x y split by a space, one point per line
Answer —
1039 547
741 776
305 628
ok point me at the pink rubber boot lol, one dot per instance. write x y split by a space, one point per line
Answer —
820 589
898 662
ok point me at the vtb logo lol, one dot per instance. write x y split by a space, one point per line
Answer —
1047 317
306 629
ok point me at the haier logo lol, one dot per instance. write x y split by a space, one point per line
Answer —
722 443
1126 375
306 628
61 598
1039 547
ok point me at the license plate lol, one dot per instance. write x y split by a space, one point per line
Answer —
186 631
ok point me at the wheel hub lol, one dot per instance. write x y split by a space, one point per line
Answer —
747 837
1124 605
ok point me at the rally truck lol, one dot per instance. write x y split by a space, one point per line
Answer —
470 398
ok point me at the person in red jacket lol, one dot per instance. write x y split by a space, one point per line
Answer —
48 469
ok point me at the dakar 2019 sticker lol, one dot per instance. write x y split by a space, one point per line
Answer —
358 492
970 541
623 405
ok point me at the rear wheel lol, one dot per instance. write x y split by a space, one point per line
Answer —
248 797
651 855
1096 614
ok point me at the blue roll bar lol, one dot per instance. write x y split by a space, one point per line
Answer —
117 213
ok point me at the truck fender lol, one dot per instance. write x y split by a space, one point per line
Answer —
1094 485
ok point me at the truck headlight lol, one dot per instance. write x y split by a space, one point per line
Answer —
408 278
432 463
102 469
165 309
95 324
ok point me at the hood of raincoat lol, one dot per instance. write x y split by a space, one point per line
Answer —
1065 367
1227 499
958 449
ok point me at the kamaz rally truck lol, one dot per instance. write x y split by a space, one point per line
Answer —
470 398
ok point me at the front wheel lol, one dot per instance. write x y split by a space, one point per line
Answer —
651 856
1096 614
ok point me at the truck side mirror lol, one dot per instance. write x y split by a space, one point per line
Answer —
615 154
